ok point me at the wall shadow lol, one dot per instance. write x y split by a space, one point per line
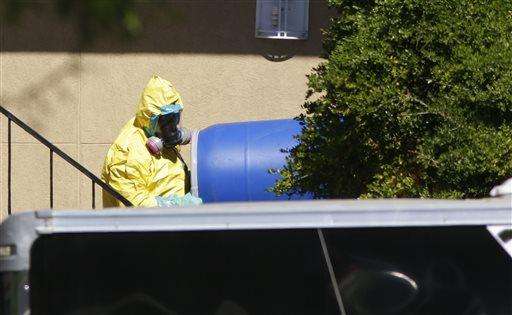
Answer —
33 98
200 26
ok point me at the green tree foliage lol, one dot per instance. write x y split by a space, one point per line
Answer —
90 16
414 100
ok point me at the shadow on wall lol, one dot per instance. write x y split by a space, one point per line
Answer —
35 96
213 26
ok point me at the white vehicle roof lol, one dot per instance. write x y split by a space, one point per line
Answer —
21 230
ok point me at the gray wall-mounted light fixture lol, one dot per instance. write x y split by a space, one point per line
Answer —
282 19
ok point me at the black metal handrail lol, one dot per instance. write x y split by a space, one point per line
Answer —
53 149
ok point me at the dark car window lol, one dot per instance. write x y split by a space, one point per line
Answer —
393 271
421 271
235 272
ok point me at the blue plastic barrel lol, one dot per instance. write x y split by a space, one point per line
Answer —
231 162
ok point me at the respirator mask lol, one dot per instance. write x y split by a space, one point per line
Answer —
168 134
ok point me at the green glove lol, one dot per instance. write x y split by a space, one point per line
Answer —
173 201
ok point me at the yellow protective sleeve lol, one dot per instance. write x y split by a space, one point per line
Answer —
129 182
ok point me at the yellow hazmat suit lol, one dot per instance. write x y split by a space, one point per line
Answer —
130 168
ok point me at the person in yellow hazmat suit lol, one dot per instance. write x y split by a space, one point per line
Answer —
143 163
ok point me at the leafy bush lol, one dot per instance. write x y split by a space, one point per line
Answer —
414 100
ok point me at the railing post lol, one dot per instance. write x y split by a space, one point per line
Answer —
9 205
51 179
93 196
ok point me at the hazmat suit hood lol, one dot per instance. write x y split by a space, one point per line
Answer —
159 97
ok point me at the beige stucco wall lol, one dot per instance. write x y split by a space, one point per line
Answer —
80 98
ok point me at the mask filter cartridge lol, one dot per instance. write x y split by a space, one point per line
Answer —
155 145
